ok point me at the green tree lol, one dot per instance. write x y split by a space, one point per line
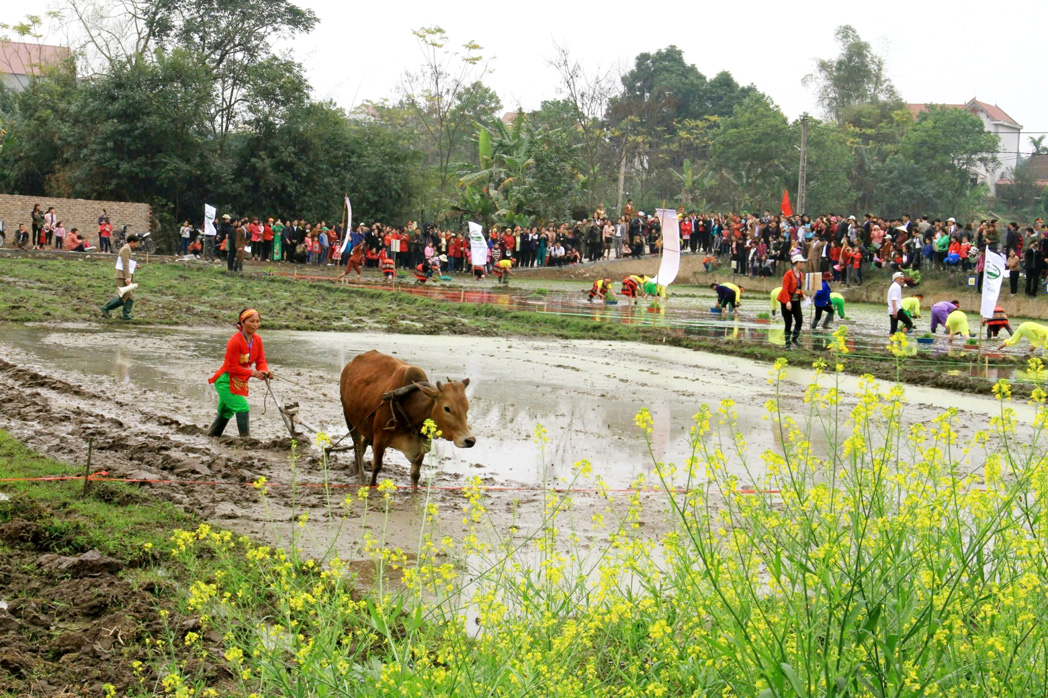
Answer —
497 192
830 164
33 150
951 146
553 187
228 36
855 76
140 133
441 97
304 165
584 98
902 186
753 149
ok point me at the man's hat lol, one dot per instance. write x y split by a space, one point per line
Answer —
225 216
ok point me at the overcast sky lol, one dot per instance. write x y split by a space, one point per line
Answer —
935 52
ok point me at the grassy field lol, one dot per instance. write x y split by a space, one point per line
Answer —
89 624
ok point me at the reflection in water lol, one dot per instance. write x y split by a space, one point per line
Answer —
122 366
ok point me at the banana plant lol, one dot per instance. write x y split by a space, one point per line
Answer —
494 192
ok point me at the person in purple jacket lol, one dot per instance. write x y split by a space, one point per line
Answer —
941 310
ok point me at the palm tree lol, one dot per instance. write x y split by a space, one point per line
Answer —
1039 148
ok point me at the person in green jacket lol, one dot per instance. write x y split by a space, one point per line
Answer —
278 241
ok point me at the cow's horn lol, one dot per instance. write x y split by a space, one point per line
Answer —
428 390
440 386
465 382
449 380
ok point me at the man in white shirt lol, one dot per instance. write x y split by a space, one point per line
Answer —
895 309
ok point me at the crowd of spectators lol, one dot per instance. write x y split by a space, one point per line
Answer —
753 245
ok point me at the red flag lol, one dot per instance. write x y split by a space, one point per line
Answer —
787 210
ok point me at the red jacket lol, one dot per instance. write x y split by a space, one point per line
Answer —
790 285
238 360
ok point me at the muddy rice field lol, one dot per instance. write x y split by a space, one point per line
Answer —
141 396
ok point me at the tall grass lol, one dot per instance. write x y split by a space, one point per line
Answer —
886 564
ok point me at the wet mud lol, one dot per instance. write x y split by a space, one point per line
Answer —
142 398
72 622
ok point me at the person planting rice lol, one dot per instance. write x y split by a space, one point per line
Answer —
387 265
230 380
837 301
630 287
728 294
957 323
941 311
823 303
774 298
912 305
998 322
1035 332
601 288
503 269
355 260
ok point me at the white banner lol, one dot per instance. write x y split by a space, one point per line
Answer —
209 220
478 246
993 277
348 228
670 264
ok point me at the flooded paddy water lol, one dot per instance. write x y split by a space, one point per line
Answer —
141 395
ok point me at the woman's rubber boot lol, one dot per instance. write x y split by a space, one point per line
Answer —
826 322
218 426
243 425
797 338
127 309
113 304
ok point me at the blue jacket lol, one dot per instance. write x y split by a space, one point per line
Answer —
822 296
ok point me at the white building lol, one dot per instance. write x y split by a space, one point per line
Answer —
995 120
20 61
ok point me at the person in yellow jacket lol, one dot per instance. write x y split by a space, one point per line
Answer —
912 306
602 289
503 269
774 297
1033 331
727 294
957 323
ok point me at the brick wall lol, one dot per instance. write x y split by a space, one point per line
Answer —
74 213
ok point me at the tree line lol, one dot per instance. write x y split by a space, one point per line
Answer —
179 103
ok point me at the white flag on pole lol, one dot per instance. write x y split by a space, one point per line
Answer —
993 277
478 246
349 227
209 220
670 263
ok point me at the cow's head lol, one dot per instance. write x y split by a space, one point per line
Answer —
451 411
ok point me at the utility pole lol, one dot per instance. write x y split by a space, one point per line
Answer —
802 177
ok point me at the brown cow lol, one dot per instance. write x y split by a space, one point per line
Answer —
381 420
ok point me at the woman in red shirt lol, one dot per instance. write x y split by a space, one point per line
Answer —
790 296
242 350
